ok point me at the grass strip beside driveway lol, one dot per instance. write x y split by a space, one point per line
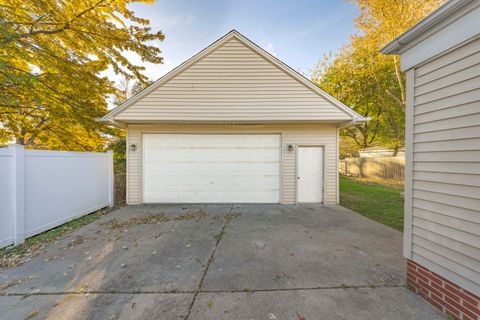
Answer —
375 201
14 256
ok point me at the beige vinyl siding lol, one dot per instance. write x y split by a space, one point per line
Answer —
232 82
134 173
307 135
446 166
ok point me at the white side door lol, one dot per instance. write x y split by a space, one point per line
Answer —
310 174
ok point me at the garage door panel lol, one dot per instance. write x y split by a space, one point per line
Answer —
216 154
211 168
238 183
230 170
217 141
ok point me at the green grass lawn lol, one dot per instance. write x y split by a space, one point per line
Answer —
375 201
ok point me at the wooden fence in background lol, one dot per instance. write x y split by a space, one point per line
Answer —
374 167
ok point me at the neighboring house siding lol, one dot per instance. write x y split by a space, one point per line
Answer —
446 166
318 135
232 82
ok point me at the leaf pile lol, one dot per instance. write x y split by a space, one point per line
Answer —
117 224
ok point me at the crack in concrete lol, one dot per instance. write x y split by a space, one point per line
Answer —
345 287
99 292
249 291
210 260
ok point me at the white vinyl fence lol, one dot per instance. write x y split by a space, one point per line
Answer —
41 189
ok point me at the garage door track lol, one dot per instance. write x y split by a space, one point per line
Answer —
217 262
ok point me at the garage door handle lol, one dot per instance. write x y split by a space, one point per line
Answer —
298 178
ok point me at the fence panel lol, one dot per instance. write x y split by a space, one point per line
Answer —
374 167
7 197
61 186
49 188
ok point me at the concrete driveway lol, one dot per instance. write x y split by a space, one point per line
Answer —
217 262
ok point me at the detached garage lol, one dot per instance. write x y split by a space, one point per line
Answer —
232 125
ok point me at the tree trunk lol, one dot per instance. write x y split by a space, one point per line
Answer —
20 140
395 150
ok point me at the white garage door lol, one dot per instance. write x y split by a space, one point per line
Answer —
209 168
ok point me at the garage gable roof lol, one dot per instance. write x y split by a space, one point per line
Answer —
232 80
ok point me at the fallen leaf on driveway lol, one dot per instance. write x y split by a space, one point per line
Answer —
300 317
32 315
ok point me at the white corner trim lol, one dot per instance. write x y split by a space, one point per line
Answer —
408 190
232 34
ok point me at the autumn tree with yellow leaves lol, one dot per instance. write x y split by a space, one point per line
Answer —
52 55
368 81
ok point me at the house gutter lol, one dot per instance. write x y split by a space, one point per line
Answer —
112 122
354 122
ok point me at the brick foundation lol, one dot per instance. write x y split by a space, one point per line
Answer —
446 296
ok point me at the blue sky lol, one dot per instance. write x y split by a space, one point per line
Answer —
298 32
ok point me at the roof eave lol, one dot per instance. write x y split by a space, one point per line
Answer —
397 45
125 122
